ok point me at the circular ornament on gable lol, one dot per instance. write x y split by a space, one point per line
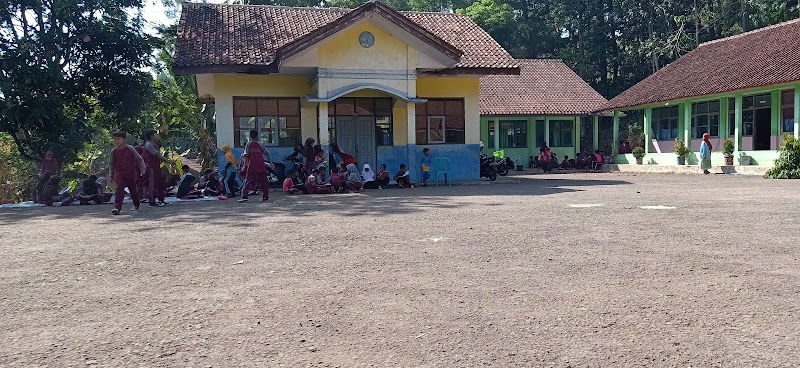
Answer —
366 39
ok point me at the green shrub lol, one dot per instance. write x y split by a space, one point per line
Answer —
680 148
638 152
727 147
787 166
17 175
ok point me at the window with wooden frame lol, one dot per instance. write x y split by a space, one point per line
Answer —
276 119
440 121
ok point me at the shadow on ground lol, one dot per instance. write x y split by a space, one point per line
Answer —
367 203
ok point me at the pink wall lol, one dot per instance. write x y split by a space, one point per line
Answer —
716 142
665 146
747 144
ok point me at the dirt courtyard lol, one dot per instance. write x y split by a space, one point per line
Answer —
555 271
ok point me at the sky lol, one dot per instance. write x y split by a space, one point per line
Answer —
156 14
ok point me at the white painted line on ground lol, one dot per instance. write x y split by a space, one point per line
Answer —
432 239
586 205
657 207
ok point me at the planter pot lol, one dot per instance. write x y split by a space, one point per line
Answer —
681 160
639 160
728 160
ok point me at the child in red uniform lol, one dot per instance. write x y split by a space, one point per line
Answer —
403 177
256 167
153 159
122 168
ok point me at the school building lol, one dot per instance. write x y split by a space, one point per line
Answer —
543 105
745 88
382 84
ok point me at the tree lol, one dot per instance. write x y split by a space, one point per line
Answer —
494 17
68 68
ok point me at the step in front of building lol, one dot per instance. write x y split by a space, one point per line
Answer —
686 169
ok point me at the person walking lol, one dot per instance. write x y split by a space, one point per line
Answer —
705 154
257 160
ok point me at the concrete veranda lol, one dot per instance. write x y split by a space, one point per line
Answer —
548 270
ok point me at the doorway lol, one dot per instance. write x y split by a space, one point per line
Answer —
762 133
355 135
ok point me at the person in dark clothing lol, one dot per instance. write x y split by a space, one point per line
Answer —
90 192
186 189
123 171
257 158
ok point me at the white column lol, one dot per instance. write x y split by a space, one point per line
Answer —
224 120
687 125
797 111
547 132
738 131
497 135
324 135
411 122
648 119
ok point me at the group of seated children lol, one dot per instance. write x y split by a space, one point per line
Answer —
547 161
344 178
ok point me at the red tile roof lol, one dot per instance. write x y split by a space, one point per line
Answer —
250 38
544 87
758 58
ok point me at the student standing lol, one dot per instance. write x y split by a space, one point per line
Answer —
153 159
427 162
705 154
122 170
256 168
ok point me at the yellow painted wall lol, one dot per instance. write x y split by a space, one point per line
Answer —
227 86
343 51
456 87
400 123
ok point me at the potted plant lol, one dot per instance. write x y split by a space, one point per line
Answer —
681 151
727 150
638 152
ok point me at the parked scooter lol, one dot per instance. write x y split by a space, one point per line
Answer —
488 167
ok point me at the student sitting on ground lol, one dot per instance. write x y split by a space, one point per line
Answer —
209 183
369 177
403 177
313 184
353 181
89 191
53 194
186 188
533 162
293 185
337 180
565 164
383 178
37 194
598 160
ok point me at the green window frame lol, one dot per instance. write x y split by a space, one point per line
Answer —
665 123
490 134
705 119
787 111
513 134
562 133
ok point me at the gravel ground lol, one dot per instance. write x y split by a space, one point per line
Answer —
553 271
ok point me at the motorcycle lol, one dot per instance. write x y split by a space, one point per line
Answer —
488 168
504 166
297 162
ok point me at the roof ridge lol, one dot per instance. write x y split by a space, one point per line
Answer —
331 9
782 24
553 60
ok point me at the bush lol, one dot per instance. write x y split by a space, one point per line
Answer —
638 152
680 148
17 175
727 147
787 166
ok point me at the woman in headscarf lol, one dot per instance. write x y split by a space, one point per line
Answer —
308 154
705 154
49 163
230 171
369 177
352 179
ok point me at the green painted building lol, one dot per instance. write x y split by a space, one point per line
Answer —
542 105
745 88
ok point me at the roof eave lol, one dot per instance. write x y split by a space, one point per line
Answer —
226 68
